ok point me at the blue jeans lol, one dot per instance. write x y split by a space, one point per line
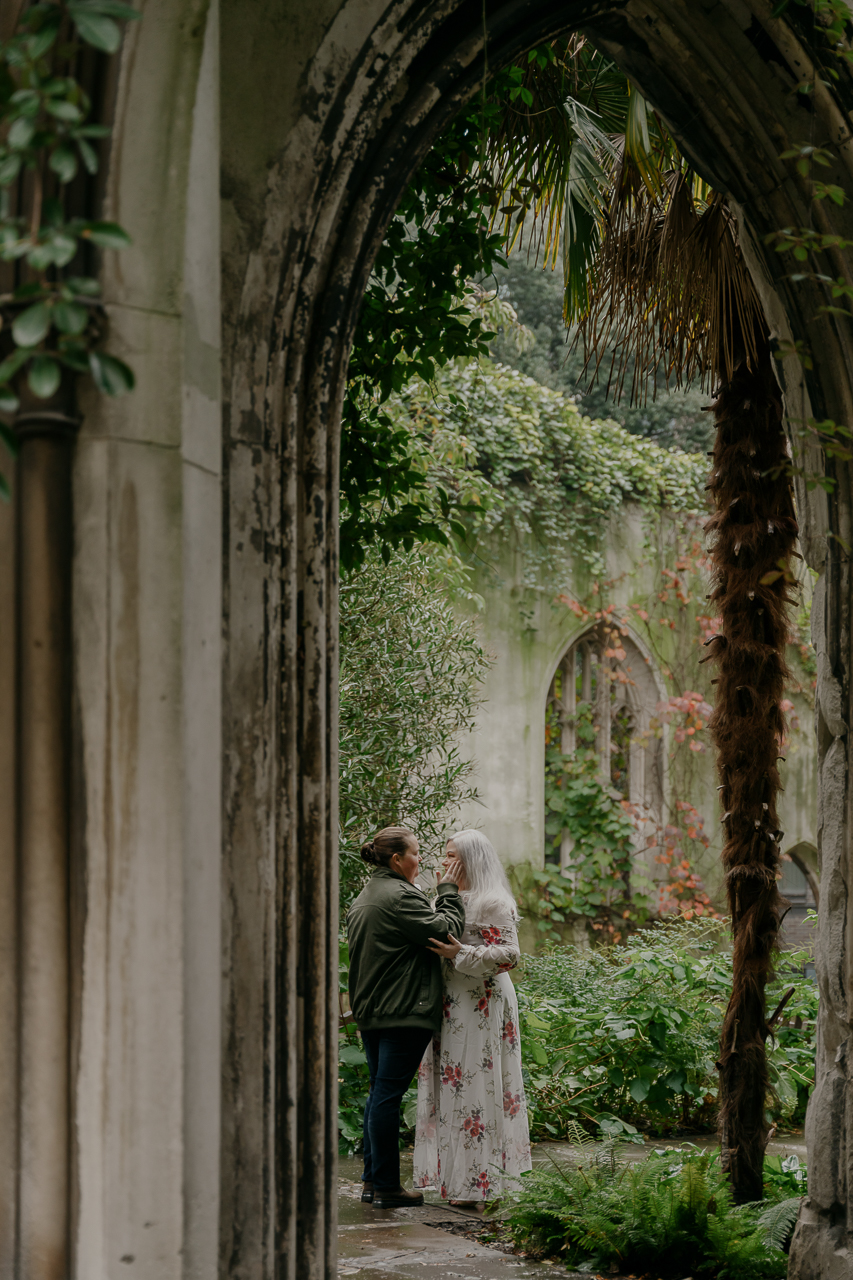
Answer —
393 1056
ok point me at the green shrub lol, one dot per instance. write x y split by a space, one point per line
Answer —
409 689
626 1038
671 1215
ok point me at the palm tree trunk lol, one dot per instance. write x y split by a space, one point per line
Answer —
754 532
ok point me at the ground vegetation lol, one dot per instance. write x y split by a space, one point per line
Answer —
669 1215
622 1041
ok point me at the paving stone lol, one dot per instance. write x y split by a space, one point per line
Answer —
398 1244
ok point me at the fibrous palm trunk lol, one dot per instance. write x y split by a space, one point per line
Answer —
753 535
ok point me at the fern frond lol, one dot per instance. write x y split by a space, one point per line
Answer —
778 1221
578 1136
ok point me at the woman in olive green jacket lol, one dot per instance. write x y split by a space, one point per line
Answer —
396 992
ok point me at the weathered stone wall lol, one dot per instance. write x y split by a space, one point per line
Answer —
147 616
528 631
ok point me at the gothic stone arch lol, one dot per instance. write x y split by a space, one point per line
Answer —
311 119
374 88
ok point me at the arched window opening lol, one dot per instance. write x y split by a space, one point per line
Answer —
603 701
799 885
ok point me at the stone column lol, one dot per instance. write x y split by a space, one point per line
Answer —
8 886
821 1248
43 503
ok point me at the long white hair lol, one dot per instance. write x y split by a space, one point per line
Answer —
488 898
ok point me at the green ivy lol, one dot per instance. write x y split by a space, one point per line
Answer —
521 460
413 321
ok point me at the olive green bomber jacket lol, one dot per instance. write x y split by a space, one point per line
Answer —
395 981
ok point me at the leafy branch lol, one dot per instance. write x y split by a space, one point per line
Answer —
50 320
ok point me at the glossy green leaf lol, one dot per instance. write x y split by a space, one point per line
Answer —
8 404
107 235
89 155
639 1089
70 317
111 376
95 29
74 355
27 101
83 285
10 167
10 366
21 133
32 325
38 44
62 109
44 376
352 1055
56 250
63 162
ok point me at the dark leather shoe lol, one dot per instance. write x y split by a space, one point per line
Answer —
367 1193
399 1199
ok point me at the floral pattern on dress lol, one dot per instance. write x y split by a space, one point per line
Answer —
509 1031
472 1136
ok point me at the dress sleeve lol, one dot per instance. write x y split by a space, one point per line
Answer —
498 952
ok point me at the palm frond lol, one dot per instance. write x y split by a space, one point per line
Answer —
579 163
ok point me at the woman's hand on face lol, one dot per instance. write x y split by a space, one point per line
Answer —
453 873
449 950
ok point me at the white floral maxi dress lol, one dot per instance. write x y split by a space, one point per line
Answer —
472 1132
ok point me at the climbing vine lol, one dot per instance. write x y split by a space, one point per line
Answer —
415 319
51 317
675 626
816 254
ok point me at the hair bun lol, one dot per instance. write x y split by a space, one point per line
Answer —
390 840
368 853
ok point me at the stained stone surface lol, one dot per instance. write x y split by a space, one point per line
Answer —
397 1244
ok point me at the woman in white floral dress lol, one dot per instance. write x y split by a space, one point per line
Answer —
472 1132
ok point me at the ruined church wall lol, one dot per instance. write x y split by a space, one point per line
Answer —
527 631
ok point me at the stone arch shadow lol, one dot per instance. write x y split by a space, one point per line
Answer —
375 90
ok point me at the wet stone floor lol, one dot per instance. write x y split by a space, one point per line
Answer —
424 1243
399 1244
